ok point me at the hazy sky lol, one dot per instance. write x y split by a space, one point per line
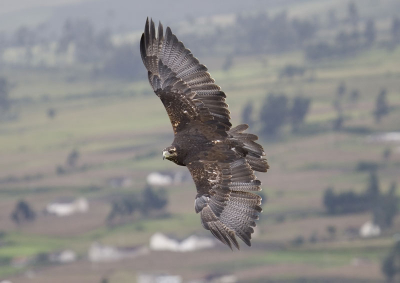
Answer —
14 5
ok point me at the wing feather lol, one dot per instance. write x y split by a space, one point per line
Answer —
224 173
224 199
173 70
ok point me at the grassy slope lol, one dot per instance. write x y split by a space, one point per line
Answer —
112 130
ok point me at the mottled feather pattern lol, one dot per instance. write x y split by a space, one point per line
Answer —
183 66
227 198
221 159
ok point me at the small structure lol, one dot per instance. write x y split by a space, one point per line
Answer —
158 278
160 242
370 229
385 137
167 178
65 256
100 253
158 179
119 182
68 206
216 278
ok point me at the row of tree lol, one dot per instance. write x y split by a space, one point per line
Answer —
275 112
382 107
384 207
146 203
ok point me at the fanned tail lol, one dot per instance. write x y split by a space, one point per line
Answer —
246 145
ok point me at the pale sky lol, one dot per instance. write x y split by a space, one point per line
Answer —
15 5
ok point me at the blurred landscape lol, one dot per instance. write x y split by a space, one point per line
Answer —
86 197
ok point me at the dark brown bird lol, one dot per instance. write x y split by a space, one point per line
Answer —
221 159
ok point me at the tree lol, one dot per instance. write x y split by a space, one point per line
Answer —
331 231
387 153
381 106
370 32
51 113
304 29
73 158
386 208
153 200
341 89
123 206
290 71
332 18
391 264
395 29
329 200
4 91
146 202
123 64
373 190
300 108
247 114
274 113
23 212
338 122
89 46
345 202
24 37
354 95
388 268
352 13
228 63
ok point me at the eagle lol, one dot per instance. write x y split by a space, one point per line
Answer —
221 158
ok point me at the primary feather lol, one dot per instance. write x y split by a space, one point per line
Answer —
221 159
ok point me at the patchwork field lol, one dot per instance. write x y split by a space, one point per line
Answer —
119 129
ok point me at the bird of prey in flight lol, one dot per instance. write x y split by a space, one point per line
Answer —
221 158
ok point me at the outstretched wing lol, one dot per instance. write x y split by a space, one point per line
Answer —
183 84
224 199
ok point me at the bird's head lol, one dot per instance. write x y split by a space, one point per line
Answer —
170 153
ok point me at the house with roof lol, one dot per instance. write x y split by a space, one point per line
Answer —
161 242
68 206
102 253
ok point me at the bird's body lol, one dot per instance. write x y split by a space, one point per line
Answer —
221 159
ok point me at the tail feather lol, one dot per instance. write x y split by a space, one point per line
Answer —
254 152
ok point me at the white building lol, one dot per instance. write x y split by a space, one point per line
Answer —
370 229
216 278
158 179
68 207
65 256
119 182
167 178
100 253
385 137
160 242
158 278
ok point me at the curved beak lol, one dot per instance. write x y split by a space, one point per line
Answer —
165 154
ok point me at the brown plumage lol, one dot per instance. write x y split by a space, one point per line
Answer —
221 159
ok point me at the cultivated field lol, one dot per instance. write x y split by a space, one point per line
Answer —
120 129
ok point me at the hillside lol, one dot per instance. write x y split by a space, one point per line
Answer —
119 128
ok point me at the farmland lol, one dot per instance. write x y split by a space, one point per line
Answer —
120 127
